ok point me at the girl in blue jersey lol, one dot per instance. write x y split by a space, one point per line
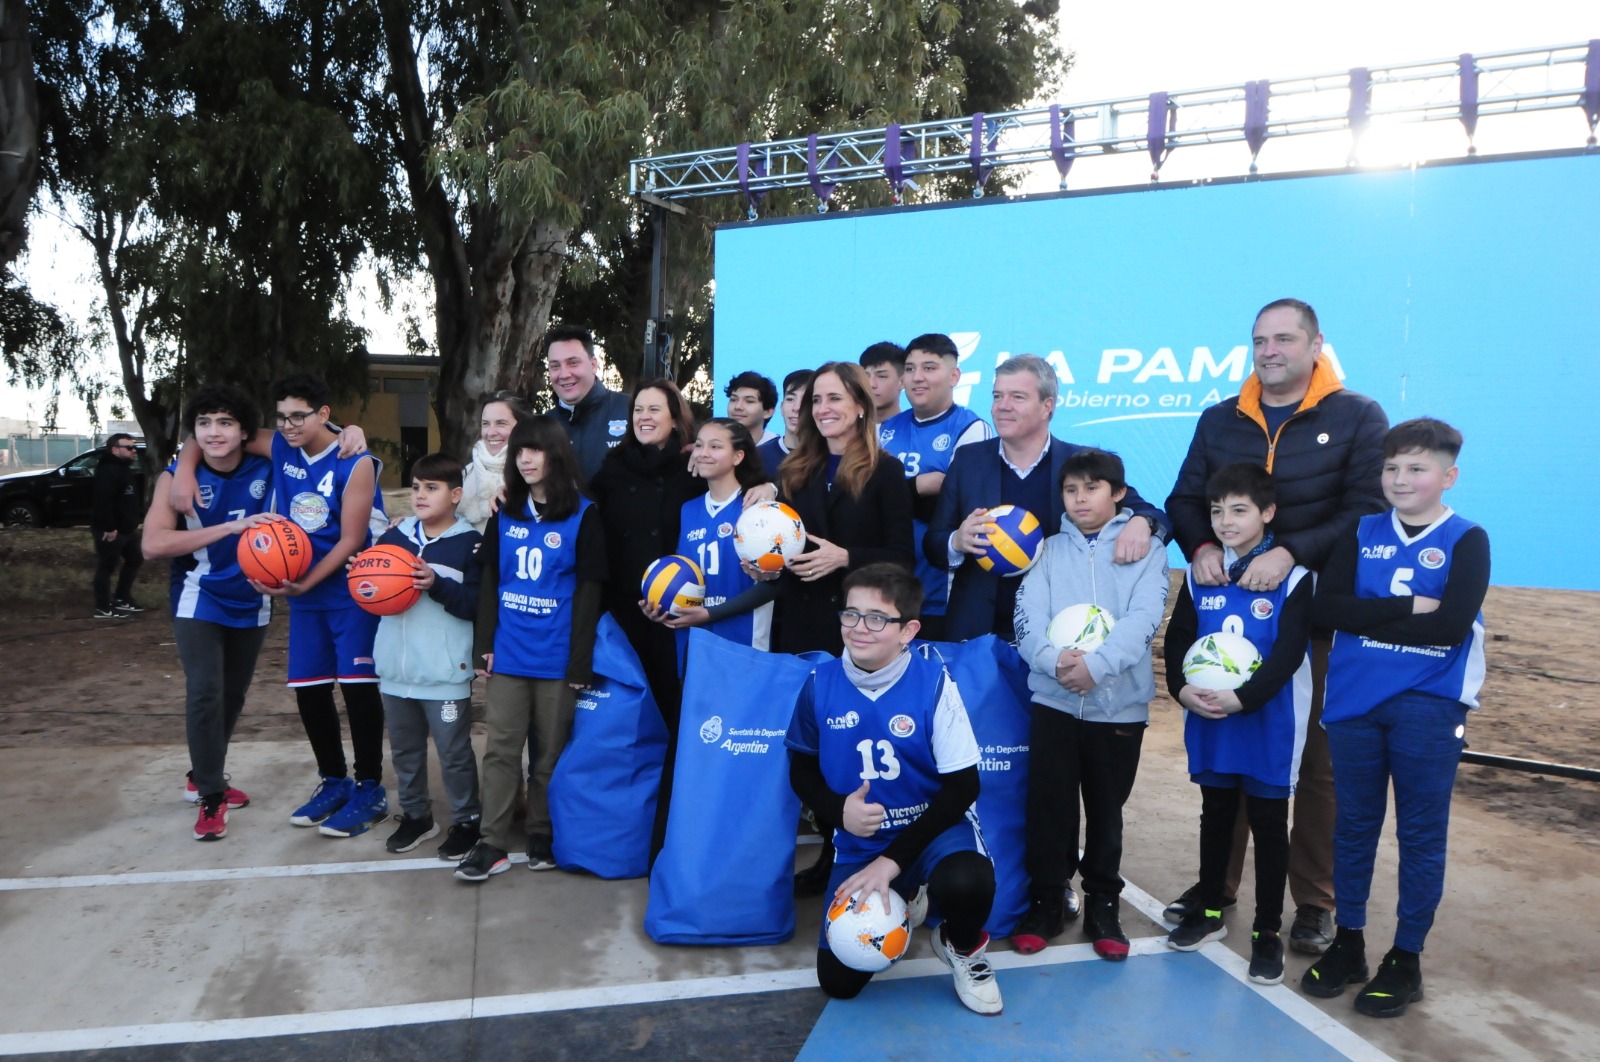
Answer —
1244 742
1403 593
218 621
737 607
543 560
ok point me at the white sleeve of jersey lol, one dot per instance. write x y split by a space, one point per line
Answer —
954 745
977 431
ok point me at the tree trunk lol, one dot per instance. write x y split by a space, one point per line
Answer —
19 129
159 438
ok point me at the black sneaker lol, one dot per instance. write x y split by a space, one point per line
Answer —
1398 984
459 841
109 613
1344 963
1312 931
540 857
1044 921
1198 926
123 604
411 833
1102 924
1266 958
484 859
812 880
1180 907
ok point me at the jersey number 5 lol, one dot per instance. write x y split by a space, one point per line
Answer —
1400 585
869 769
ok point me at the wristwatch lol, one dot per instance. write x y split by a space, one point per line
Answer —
1155 526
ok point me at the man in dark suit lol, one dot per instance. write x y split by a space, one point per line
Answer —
1021 467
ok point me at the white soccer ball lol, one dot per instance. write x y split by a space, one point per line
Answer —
1220 661
866 937
769 535
1080 627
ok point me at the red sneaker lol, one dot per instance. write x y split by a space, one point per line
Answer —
236 797
213 822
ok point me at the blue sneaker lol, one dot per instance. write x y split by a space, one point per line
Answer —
330 796
367 806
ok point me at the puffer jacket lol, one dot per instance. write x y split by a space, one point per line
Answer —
596 425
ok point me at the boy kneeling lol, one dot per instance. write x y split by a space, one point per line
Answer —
880 741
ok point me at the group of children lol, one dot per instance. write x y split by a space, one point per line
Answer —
520 603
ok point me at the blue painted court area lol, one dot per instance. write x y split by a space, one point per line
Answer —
1155 1006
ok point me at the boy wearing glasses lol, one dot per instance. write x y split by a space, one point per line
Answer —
880 742
114 522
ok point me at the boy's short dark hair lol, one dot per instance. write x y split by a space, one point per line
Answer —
796 381
935 343
897 585
223 398
1092 465
306 385
1246 479
757 383
885 353
440 468
1422 433
563 333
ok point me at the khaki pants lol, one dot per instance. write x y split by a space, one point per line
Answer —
518 710
1311 838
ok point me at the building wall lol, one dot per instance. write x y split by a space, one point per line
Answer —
397 415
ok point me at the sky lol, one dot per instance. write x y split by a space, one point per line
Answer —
1130 50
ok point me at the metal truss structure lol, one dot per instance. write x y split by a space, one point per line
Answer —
1464 89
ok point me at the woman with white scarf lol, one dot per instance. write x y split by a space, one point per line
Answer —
485 474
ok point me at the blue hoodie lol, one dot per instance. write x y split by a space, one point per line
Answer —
425 652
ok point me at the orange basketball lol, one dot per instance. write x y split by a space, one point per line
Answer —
380 580
275 553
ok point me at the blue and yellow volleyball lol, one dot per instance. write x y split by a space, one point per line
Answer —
674 583
1016 538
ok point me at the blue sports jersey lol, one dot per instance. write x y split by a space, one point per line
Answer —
888 741
207 584
927 446
1363 673
707 539
537 578
1264 744
309 489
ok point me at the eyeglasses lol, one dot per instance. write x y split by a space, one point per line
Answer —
124 446
295 419
874 621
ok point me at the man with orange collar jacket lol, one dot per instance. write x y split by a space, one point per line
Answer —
1324 448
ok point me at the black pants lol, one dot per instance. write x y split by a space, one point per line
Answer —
125 549
1269 823
218 664
1069 759
364 705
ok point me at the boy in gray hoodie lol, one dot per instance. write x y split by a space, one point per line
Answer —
1090 704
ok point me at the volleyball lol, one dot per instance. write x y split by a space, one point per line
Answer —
768 535
1220 661
1016 539
274 553
380 580
674 583
864 935
1080 627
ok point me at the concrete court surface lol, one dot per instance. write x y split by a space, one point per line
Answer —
123 938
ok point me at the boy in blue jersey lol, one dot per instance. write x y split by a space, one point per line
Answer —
1244 743
1403 594
880 742
424 661
925 438
218 620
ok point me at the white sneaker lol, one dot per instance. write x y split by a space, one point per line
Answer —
917 908
974 977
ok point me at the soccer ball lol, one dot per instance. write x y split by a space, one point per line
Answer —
674 583
866 937
1015 541
1080 627
768 535
1220 661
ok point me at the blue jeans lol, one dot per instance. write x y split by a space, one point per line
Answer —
1415 740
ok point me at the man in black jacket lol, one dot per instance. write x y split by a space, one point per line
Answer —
596 417
114 522
1324 448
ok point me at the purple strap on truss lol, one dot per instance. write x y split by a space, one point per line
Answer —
1062 134
742 154
1591 85
976 146
814 172
1156 131
1360 90
1255 114
1469 94
895 151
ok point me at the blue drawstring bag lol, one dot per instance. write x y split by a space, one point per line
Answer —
603 792
725 874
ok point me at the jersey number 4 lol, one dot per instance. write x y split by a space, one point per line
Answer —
869 768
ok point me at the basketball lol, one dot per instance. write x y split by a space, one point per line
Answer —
768 535
1080 627
380 580
1015 541
274 553
866 937
1220 661
674 584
